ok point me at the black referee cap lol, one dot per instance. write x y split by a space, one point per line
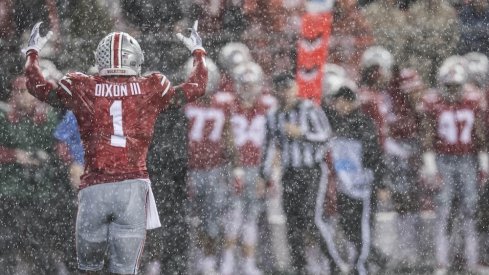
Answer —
345 93
283 81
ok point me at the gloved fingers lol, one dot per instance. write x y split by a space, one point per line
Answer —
49 35
180 37
36 27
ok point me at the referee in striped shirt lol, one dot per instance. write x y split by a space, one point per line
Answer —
298 131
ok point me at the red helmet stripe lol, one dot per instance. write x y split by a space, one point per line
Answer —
116 47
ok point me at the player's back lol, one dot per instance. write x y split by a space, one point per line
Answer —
116 116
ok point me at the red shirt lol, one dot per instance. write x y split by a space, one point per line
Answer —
249 131
116 116
455 122
206 122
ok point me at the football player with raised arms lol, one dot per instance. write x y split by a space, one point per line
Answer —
116 110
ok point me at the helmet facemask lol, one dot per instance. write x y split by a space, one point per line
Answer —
452 77
248 79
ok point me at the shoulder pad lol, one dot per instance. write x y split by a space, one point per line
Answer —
69 80
76 76
223 97
431 96
162 82
473 93
158 81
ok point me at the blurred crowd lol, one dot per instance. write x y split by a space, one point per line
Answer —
408 78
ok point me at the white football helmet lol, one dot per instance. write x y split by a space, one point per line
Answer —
249 72
477 68
119 54
213 75
232 55
333 69
379 56
248 78
453 71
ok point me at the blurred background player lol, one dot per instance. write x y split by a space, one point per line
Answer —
231 56
477 70
376 69
376 73
402 157
208 174
453 135
115 141
248 134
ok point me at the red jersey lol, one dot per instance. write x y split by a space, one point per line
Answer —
115 115
206 122
248 126
392 114
455 122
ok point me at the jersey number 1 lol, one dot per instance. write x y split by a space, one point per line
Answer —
117 139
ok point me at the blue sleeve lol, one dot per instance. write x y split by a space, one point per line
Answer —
67 132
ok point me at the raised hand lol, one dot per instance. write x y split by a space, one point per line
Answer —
36 41
193 42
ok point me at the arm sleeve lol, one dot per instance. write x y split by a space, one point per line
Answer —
268 150
316 125
37 85
191 89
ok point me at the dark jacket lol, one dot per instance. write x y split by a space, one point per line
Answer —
359 126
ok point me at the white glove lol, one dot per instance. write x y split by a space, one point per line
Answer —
36 41
193 42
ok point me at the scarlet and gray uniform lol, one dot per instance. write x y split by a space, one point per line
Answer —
402 151
208 171
248 125
456 144
249 128
116 116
